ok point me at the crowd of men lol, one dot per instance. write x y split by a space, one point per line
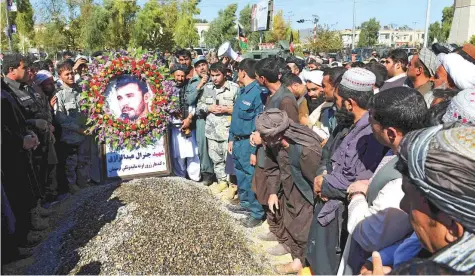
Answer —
357 168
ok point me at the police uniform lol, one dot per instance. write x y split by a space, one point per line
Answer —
248 106
192 95
30 102
217 125
185 149
68 115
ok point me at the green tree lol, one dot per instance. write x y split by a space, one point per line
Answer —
223 28
94 30
245 21
23 19
369 33
150 29
50 37
472 40
441 30
121 21
186 34
327 40
447 18
280 29
435 33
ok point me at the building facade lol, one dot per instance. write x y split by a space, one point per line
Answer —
387 37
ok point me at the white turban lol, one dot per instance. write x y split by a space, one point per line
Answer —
459 69
315 76
42 75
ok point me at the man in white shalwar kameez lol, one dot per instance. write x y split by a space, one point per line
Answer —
184 147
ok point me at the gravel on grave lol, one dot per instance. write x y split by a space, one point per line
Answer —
153 226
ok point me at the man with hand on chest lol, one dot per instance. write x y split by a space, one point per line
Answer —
217 102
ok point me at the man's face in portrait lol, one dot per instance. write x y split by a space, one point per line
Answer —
132 101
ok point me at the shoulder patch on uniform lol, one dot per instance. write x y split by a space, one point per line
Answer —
246 103
234 84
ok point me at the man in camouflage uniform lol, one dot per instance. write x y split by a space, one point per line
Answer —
74 159
217 102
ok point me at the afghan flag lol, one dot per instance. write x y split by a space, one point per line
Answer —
242 38
291 42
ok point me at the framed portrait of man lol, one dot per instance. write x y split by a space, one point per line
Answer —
128 97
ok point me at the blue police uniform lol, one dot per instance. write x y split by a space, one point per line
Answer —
247 106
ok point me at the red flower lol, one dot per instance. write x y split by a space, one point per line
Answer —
127 133
140 132
126 120
141 63
154 67
147 66
134 127
110 122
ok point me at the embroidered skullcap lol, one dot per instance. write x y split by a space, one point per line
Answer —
429 59
358 79
462 108
42 75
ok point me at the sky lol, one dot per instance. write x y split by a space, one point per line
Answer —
338 14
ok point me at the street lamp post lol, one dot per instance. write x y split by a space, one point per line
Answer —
354 23
426 32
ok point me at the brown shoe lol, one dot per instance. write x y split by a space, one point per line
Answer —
278 250
269 236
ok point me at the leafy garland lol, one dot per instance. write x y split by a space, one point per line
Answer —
122 133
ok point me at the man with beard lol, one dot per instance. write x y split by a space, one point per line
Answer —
396 64
194 89
314 94
422 68
47 168
438 168
356 158
322 120
296 151
133 97
184 147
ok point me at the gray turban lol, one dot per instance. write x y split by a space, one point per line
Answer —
441 164
273 122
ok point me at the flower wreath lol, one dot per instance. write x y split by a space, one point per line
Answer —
123 133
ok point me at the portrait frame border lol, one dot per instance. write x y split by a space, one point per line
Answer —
167 172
